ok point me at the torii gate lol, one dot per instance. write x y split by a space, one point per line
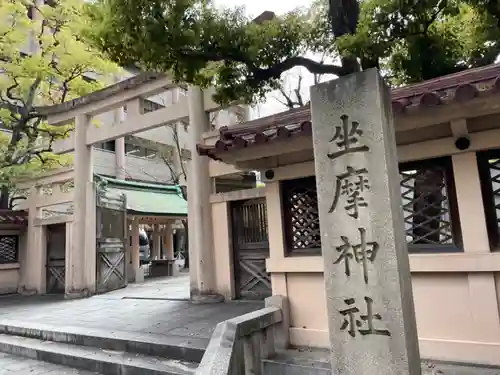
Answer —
81 272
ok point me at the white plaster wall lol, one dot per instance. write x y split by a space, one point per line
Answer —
151 170
9 279
104 162
147 169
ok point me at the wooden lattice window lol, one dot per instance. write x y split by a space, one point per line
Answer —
9 249
301 218
489 172
429 206
250 218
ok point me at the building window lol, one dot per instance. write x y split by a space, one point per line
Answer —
132 149
429 206
107 146
150 106
9 249
489 173
301 218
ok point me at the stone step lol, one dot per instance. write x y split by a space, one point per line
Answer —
108 362
298 362
172 347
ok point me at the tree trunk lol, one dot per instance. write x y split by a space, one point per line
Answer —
4 198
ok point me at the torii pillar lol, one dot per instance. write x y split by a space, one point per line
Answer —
201 254
81 257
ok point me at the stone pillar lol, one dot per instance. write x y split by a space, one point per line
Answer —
135 254
78 275
120 157
201 262
367 275
168 244
156 241
90 264
34 256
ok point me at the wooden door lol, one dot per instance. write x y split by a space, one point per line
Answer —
251 249
111 236
56 258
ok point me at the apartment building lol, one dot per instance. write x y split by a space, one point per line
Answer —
154 155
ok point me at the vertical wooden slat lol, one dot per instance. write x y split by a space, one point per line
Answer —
251 248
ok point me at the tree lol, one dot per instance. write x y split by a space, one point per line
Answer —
196 42
293 91
176 159
43 61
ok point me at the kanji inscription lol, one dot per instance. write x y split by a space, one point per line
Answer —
364 324
371 318
346 138
351 184
362 253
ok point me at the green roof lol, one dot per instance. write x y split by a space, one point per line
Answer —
149 199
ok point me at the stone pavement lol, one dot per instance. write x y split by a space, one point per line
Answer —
11 365
156 306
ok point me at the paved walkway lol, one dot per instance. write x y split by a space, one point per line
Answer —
157 306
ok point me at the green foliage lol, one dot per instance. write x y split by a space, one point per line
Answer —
198 43
43 61
416 41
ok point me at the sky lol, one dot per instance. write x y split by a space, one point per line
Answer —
254 8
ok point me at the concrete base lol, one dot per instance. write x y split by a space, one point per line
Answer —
76 294
302 361
176 271
206 299
27 292
130 273
308 361
139 275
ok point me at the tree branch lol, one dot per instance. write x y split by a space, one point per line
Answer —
13 199
273 71
179 153
297 92
311 65
288 102
10 89
32 93
174 176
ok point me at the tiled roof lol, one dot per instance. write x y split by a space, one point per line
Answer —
460 87
13 217
149 199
